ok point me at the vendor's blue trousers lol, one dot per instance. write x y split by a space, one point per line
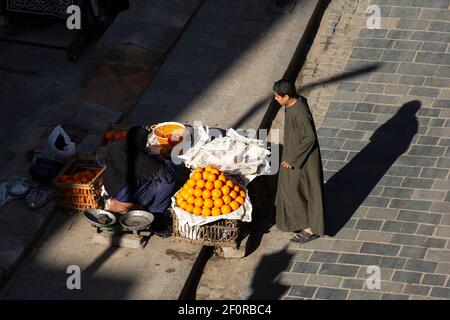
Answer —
153 192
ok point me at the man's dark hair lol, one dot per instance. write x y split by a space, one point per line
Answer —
285 87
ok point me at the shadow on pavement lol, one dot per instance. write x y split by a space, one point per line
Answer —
344 193
349 187
262 191
264 282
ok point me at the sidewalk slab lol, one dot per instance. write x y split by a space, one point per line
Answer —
20 227
117 89
140 37
222 69
158 271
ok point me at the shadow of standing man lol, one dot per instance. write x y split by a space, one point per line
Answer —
349 187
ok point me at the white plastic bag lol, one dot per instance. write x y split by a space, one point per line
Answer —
52 152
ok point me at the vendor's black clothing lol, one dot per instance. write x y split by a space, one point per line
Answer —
115 157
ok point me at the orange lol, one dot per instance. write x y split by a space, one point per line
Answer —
183 204
240 200
109 135
226 190
89 174
64 178
237 188
234 205
117 135
198 192
216 211
191 199
208 168
179 201
189 208
215 171
208 203
179 196
199 202
233 194
216 193
218 202
212 177
206 211
225 209
191 182
197 211
227 199
190 191
242 194
206 194
230 184
218 184
198 169
200 183
222 178
183 193
205 175
209 185
197 175
186 186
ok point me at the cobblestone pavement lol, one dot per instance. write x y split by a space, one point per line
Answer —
385 140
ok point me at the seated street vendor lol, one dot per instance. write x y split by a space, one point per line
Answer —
135 179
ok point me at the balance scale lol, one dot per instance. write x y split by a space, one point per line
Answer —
133 230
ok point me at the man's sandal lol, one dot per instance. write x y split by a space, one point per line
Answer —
304 237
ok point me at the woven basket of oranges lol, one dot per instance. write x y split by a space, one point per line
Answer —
78 186
207 194
169 133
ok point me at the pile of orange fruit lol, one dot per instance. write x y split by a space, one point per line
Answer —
113 135
81 177
209 193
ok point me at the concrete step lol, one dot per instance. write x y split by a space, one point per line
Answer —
140 37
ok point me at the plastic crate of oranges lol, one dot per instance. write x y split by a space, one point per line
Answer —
208 192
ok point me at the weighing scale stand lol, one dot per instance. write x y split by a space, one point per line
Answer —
119 238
